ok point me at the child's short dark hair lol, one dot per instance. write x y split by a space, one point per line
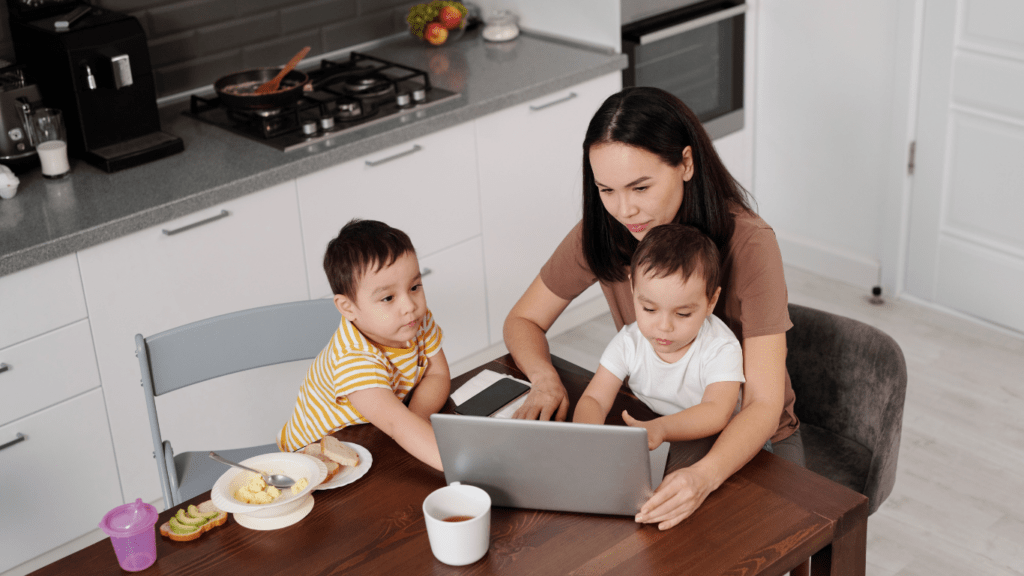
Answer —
677 249
360 245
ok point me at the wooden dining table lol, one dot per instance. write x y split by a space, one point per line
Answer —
766 519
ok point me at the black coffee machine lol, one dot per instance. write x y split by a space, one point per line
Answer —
93 64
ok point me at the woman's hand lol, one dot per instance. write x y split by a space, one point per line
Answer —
679 495
547 398
655 430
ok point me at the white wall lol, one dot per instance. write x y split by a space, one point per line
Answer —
824 138
589 21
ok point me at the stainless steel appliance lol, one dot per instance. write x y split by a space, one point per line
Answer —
344 95
93 64
16 94
694 50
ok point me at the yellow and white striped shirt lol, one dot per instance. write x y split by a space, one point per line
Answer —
348 363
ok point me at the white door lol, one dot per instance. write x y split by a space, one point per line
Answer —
966 238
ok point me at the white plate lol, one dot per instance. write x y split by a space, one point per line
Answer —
351 473
294 465
276 522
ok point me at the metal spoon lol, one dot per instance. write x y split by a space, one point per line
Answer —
275 480
272 84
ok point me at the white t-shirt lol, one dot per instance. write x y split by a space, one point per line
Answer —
714 356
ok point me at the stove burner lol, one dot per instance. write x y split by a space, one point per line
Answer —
368 86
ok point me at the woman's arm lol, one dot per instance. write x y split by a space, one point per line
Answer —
597 399
698 421
683 491
385 411
429 396
525 337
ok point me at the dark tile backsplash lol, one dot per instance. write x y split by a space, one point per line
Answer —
194 42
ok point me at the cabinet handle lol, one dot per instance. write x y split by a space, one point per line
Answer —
223 214
4 367
426 272
415 148
19 437
553 102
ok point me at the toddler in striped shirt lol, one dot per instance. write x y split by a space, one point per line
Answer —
387 347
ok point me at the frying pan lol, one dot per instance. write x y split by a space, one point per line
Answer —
290 90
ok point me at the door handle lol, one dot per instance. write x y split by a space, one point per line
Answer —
223 214
553 102
19 437
4 367
415 148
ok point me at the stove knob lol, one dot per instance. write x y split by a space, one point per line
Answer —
327 123
403 99
309 128
419 95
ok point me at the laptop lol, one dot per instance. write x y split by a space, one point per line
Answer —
551 465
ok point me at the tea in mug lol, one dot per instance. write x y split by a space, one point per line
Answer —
458 518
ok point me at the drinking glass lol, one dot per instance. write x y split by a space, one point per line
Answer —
46 132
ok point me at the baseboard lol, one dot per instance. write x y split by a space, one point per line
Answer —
829 261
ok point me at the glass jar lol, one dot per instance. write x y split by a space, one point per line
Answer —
500 26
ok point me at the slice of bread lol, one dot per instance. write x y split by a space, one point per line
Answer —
332 466
338 451
206 509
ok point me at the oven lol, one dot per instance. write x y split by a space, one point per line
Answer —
693 49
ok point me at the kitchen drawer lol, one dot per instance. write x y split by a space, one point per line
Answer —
39 299
455 293
149 281
58 482
46 370
426 187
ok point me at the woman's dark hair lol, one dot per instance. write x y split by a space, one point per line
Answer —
677 249
651 119
360 246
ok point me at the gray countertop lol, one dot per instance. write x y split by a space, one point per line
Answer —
48 219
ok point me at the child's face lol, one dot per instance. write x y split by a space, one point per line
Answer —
389 304
669 312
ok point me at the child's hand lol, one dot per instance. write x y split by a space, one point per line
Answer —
655 431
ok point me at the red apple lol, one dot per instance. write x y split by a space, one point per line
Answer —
450 17
435 33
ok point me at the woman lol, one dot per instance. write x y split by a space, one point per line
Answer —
647 161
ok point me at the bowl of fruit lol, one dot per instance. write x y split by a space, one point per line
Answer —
438 22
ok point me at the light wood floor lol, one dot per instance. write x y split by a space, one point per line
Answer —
958 504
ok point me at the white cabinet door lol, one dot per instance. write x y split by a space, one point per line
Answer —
149 281
531 187
46 370
39 299
453 281
57 483
426 187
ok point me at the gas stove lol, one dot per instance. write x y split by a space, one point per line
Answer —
346 95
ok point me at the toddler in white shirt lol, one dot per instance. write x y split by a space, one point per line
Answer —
682 361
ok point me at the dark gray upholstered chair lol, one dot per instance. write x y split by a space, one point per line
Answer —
850 380
218 346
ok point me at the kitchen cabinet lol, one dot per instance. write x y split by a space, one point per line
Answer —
531 187
40 299
241 254
59 481
453 280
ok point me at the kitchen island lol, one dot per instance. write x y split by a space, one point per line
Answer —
50 219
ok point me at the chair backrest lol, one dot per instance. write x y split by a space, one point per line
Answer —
850 379
226 344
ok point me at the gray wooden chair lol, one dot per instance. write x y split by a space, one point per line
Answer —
218 346
850 381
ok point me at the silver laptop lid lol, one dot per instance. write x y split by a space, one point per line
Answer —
551 465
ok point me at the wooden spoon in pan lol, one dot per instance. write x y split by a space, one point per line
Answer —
273 84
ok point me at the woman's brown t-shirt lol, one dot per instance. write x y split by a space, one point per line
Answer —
754 300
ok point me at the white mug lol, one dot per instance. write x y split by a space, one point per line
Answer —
458 521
